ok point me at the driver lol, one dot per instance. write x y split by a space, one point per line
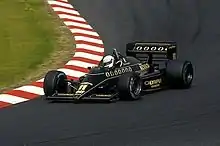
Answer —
108 61
116 59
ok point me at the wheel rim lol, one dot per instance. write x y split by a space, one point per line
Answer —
135 87
60 86
188 74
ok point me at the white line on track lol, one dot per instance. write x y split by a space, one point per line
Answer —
72 73
71 23
59 9
80 63
78 18
41 80
60 4
76 30
11 99
90 47
89 39
87 55
31 89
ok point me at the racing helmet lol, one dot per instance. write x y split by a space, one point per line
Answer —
108 61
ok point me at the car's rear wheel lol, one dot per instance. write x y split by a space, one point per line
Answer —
129 86
55 81
179 74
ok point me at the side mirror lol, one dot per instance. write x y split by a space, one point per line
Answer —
89 68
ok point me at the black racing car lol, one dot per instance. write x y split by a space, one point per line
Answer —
146 67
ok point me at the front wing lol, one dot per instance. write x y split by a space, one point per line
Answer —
73 97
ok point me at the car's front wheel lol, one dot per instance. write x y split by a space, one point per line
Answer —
54 81
129 86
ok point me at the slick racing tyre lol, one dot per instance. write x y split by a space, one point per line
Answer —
179 74
54 81
129 86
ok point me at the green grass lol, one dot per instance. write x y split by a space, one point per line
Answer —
27 38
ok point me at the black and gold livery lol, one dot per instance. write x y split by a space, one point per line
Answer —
147 66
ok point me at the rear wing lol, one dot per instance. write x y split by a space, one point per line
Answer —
152 51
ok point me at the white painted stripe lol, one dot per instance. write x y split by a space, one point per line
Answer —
87 55
78 18
31 89
89 47
60 4
72 73
80 63
11 99
41 80
66 10
71 23
74 30
84 38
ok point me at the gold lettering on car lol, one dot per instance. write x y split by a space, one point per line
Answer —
81 89
153 83
118 71
144 66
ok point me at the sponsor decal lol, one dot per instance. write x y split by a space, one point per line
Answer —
118 71
153 82
144 66
141 47
81 89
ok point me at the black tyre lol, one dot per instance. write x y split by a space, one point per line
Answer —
54 81
129 86
179 73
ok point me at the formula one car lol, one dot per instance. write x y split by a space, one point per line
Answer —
146 67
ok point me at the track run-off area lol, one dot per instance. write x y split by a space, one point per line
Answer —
174 117
89 51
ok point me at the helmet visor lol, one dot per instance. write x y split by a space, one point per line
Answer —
107 63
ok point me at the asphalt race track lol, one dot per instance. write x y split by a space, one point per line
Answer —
188 118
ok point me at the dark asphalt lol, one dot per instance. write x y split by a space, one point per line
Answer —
173 118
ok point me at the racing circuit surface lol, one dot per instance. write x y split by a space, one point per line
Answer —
176 117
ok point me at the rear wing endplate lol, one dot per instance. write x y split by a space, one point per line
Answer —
156 51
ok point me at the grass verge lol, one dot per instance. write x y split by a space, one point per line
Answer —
33 40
